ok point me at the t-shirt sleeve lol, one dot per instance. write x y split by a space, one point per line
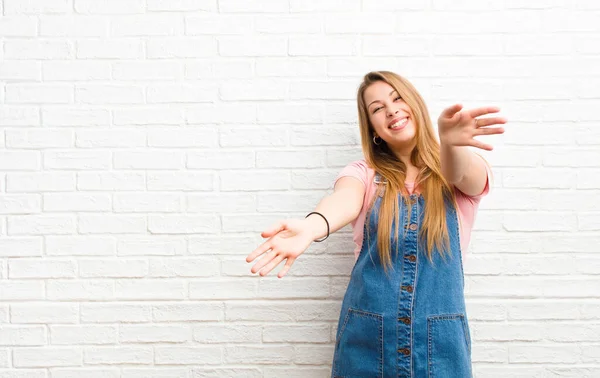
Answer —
356 169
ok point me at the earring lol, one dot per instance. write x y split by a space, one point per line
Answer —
374 142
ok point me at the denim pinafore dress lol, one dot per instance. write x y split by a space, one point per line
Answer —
411 322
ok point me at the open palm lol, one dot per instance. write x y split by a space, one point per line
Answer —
458 128
288 239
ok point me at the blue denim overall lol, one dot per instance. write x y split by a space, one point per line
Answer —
411 322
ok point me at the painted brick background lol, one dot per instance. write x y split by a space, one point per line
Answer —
145 144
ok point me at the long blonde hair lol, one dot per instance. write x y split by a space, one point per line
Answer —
425 156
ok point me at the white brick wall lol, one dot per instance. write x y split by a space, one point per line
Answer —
145 144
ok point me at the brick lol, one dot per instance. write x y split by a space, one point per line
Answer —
36 6
75 116
20 204
147 25
36 93
221 202
34 138
87 372
325 46
154 372
38 49
75 202
188 267
41 224
110 49
151 245
314 333
83 335
394 46
23 335
196 47
222 25
34 268
100 355
196 355
109 6
121 138
80 246
147 70
298 67
147 202
259 354
111 223
21 247
112 268
96 94
110 181
111 313
147 159
56 313
169 93
181 5
20 71
147 116
181 181
72 159
40 182
73 26
18 26
154 334
47 357
57 290
222 333
189 311
150 289
234 46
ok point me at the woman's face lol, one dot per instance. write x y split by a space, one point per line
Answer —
391 117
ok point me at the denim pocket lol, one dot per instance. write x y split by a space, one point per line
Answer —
359 346
449 346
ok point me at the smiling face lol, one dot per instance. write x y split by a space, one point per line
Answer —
391 117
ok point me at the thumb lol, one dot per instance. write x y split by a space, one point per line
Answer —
273 230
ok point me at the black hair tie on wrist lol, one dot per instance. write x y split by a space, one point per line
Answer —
314 212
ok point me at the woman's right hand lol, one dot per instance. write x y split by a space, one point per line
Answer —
288 239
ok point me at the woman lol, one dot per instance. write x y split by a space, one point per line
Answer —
412 201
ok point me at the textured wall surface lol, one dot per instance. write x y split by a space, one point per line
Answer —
145 144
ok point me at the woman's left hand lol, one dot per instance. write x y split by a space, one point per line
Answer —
458 128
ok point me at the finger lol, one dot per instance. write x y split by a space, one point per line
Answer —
479 144
483 110
481 122
488 131
269 267
264 247
274 229
286 267
263 261
449 112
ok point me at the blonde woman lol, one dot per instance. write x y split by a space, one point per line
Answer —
412 202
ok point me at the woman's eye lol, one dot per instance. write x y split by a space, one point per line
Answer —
376 109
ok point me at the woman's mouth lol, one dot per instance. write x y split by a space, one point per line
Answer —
399 125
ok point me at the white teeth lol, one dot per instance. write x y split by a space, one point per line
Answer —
399 123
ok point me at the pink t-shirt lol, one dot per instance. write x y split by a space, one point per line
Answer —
467 205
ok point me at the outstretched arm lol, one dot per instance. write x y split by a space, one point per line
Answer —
289 238
460 166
